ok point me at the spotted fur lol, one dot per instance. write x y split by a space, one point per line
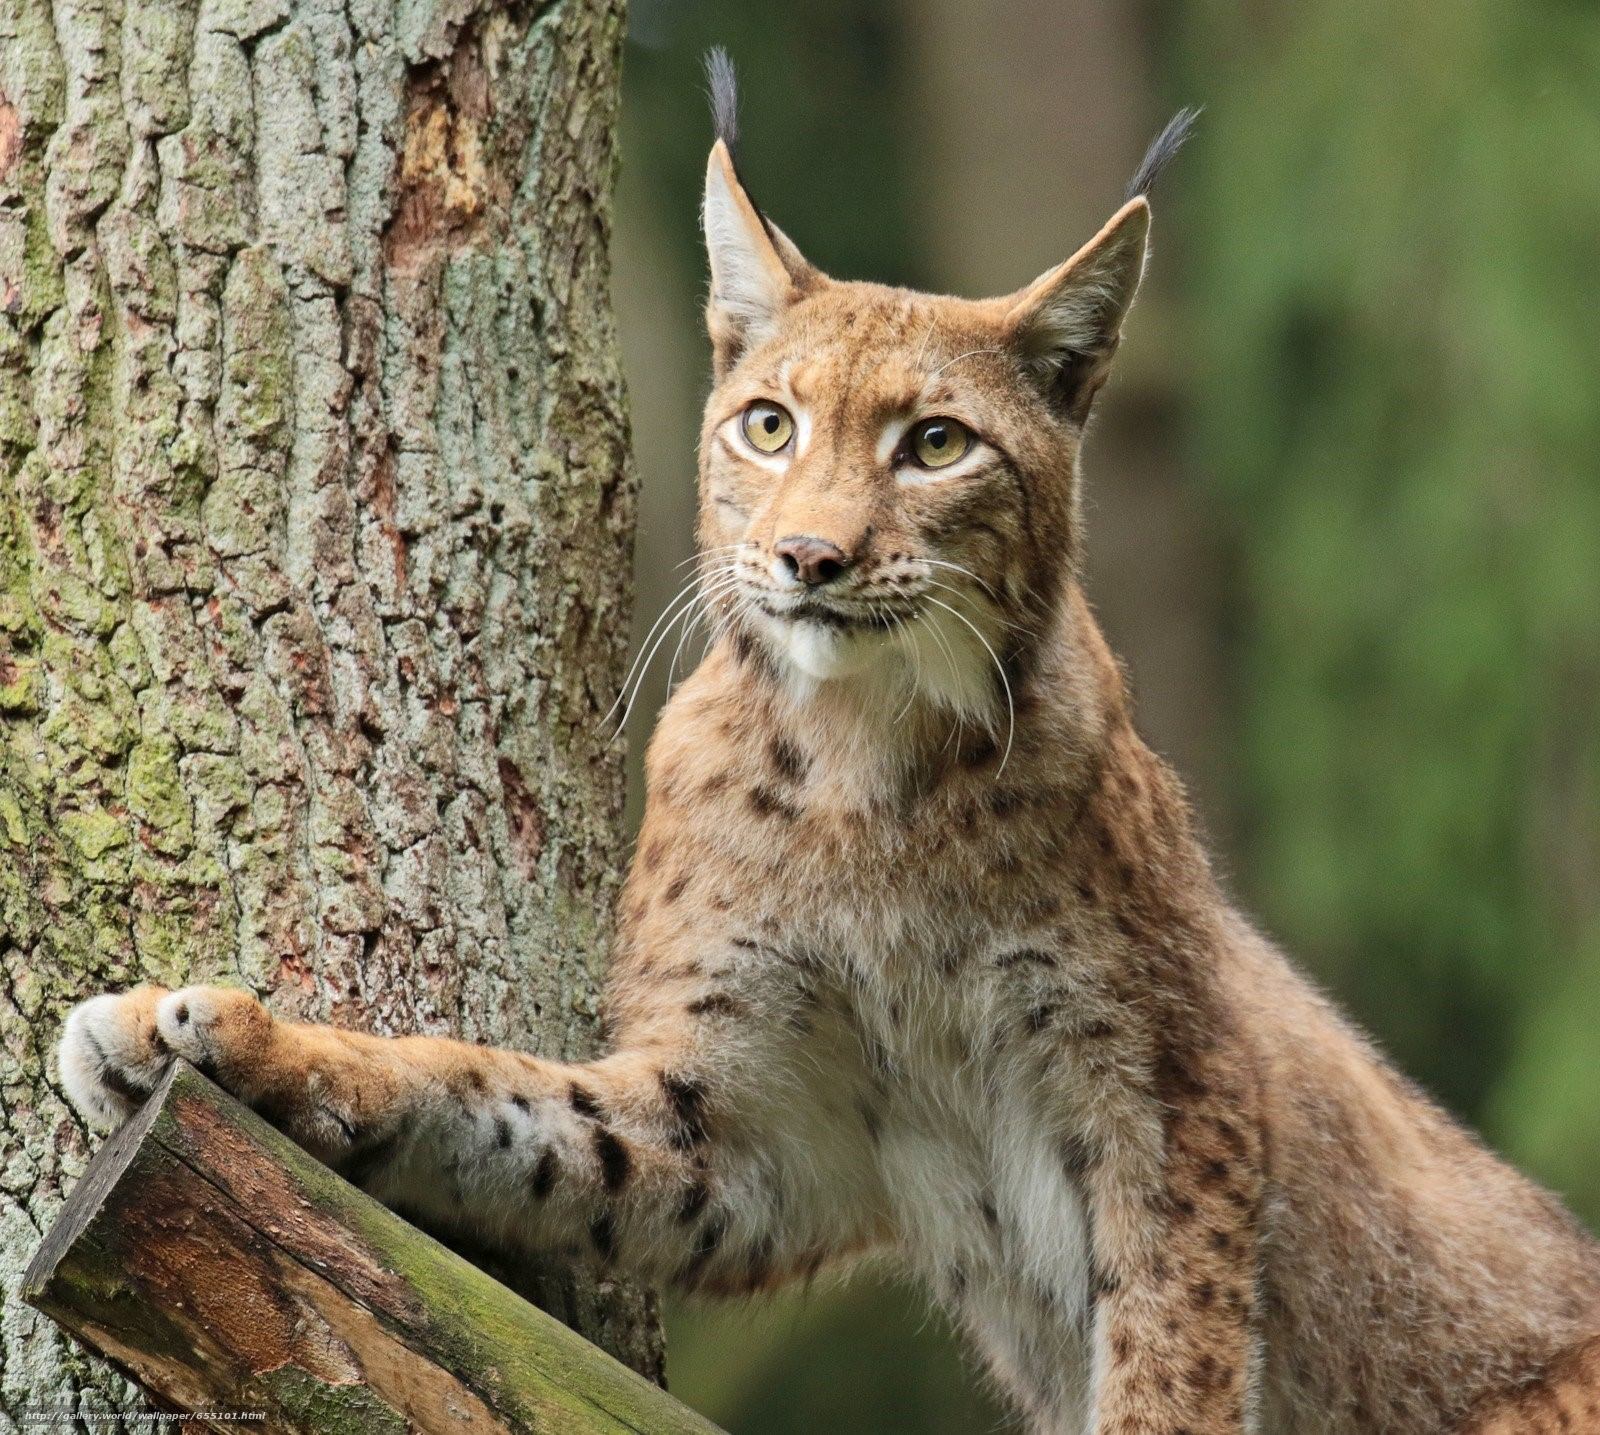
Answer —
921 953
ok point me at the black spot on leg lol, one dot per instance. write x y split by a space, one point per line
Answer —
502 1132
686 1099
1027 956
603 1235
181 1014
716 783
716 1004
545 1172
521 1103
676 888
113 1078
582 1100
615 1162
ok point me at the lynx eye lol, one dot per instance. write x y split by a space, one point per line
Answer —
938 443
768 427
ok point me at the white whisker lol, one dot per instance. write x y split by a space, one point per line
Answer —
959 726
684 593
701 607
971 353
707 552
1005 682
967 597
720 582
964 572
910 633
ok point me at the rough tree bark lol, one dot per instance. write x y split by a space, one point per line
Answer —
315 519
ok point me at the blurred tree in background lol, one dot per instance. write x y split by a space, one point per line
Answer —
1392 217
1343 492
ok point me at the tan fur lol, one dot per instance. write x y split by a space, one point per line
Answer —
920 953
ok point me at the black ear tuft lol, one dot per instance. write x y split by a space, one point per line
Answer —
1159 155
723 87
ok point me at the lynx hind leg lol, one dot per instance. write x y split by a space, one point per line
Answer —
117 1046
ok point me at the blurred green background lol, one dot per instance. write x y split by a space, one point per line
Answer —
1343 492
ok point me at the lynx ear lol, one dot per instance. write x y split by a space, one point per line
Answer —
756 272
1067 322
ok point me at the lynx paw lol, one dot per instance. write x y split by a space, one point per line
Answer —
116 1047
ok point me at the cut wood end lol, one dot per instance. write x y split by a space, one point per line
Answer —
105 1169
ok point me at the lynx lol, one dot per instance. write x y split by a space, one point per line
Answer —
920 953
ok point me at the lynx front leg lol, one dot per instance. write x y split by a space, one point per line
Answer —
668 1155
1175 1260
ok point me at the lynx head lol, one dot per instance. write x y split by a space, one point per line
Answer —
888 479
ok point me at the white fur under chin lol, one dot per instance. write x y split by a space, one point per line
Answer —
826 654
934 657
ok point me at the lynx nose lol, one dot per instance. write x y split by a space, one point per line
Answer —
814 561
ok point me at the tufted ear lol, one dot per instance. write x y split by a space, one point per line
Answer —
754 267
1066 324
756 271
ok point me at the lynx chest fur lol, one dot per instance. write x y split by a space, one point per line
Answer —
950 943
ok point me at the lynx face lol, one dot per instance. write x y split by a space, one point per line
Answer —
888 479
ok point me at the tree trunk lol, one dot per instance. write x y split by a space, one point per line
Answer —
315 519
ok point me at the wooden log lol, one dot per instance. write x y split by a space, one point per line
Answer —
224 1269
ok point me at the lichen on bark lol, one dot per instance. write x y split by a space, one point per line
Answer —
315 518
